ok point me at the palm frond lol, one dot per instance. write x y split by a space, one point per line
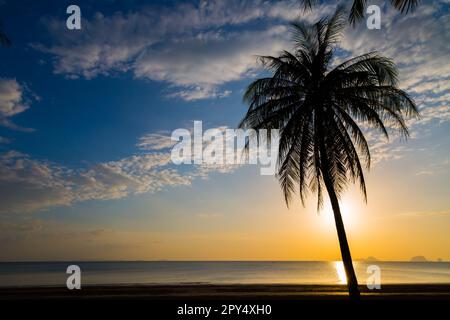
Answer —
357 11
404 6
308 4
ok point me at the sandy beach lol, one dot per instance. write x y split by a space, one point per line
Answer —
229 292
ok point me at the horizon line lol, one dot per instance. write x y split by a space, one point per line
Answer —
169 260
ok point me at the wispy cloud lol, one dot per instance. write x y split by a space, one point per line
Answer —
194 47
28 184
155 141
438 167
12 102
204 61
4 140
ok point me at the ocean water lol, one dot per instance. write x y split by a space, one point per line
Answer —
230 272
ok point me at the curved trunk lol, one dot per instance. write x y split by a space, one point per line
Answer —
352 281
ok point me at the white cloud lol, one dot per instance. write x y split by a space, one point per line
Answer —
434 113
28 184
12 102
155 141
106 45
188 46
291 10
206 60
197 47
435 168
197 93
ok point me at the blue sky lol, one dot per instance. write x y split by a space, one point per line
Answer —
85 118
112 108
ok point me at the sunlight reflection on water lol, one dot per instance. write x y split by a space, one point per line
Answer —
340 272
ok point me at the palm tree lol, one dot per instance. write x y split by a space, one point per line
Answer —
319 112
359 6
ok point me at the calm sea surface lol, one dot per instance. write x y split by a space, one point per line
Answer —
54 273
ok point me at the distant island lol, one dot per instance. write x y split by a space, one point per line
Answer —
371 259
418 259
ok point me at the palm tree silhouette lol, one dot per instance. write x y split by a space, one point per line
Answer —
359 6
319 111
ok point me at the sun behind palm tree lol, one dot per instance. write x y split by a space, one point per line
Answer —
319 111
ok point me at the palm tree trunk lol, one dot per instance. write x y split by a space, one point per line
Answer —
352 281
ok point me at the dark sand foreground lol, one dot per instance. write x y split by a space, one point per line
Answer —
228 292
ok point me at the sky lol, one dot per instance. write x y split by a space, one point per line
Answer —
86 118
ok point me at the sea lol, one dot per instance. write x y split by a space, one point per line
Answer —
19 274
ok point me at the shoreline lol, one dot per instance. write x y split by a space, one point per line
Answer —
227 292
